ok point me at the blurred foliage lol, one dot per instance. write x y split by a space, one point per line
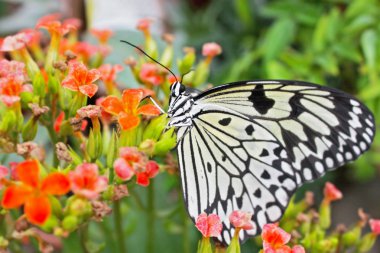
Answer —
334 43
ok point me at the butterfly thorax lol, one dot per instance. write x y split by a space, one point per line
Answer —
180 105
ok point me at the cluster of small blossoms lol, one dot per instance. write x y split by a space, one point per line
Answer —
303 228
103 133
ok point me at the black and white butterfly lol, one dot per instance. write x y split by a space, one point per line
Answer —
249 145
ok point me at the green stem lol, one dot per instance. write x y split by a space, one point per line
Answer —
118 226
83 234
151 218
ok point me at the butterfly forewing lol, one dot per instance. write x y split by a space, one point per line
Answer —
251 144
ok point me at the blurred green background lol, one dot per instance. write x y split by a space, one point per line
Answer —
331 42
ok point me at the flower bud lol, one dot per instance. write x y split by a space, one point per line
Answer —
79 207
367 242
201 73
167 56
166 143
70 223
94 144
155 127
185 64
352 236
29 130
50 224
113 150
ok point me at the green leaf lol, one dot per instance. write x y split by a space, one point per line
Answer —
278 38
368 42
243 10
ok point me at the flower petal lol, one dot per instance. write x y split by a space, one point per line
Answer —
15 196
28 172
128 121
88 89
112 104
142 179
92 76
149 110
70 83
56 183
37 209
131 99
122 169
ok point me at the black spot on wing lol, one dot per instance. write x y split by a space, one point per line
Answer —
260 101
265 175
225 121
264 153
249 129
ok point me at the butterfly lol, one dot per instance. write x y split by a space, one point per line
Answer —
249 145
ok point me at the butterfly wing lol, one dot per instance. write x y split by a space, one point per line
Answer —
253 143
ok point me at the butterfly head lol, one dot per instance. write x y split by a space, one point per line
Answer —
177 89
180 104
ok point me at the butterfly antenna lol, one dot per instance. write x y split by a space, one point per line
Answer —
191 70
150 57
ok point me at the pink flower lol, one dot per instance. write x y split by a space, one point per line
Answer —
240 219
144 25
4 171
331 192
8 68
151 170
150 73
275 239
133 162
298 249
109 72
209 226
35 36
123 169
86 182
72 23
15 42
81 79
84 49
375 226
211 49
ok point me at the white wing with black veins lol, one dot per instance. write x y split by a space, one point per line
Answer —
253 143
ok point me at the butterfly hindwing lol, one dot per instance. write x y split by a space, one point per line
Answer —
251 144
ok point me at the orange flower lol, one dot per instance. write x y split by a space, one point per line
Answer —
10 89
33 193
275 239
151 74
127 109
81 79
53 25
102 35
